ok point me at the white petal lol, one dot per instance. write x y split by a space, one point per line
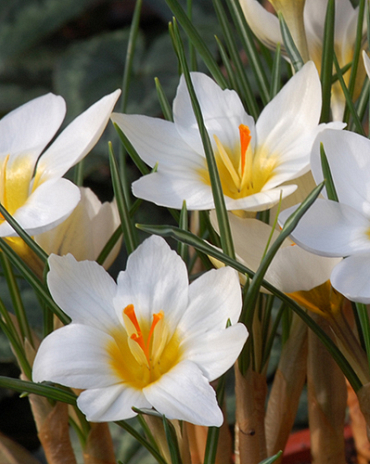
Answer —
291 116
331 229
111 403
30 127
215 353
77 139
222 113
166 189
366 63
157 141
264 24
185 394
348 155
351 278
74 356
155 279
209 311
45 208
84 290
86 230
294 269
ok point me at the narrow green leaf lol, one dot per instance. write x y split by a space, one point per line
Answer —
365 326
197 41
109 245
289 226
124 425
228 66
40 253
17 347
223 220
246 92
276 73
78 174
214 432
356 54
41 389
142 167
329 182
292 50
130 53
363 101
272 459
249 46
182 248
173 445
349 103
128 229
327 61
15 295
192 52
165 106
37 285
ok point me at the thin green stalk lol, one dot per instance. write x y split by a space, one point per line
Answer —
38 286
172 442
15 295
17 348
349 103
78 174
41 389
109 245
272 459
228 66
276 73
197 41
247 95
249 46
163 101
363 101
213 432
182 248
292 50
356 55
329 182
327 61
128 229
223 220
142 167
365 327
141 440
40 253
267 345
192 52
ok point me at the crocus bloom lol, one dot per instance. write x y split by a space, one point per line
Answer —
341 228
149 340
302 275
266 27
253 160
31 187
86 230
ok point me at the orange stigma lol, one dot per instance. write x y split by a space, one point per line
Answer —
129 311
245 138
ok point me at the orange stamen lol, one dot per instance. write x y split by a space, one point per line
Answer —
245 138
129 311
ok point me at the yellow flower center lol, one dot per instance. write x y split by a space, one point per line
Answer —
242 171
141 353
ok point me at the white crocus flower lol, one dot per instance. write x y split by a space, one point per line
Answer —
151 340
341 228
292 270
253 159
86 230
31 187
266 27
